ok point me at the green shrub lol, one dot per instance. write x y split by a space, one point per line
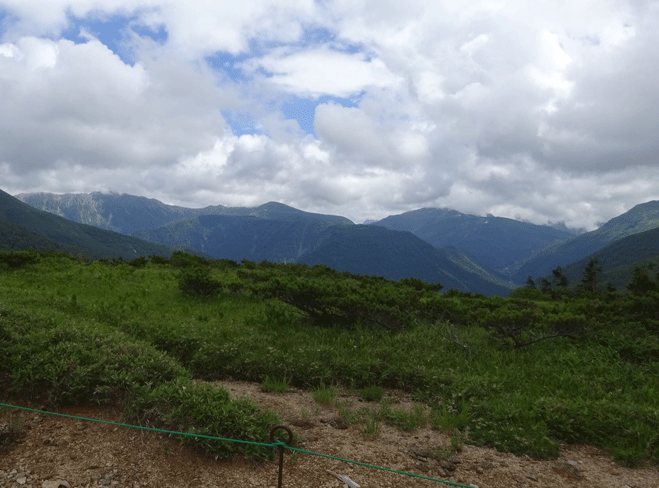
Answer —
138 262
78 363
18 259
198 282
155 259
180 259
204 409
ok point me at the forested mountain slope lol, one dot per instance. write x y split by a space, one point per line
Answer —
394 255
619 259
358 249
23 227
240 237
496 243
639 219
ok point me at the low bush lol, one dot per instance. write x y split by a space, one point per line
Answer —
72 363
18 259
204 409
198 282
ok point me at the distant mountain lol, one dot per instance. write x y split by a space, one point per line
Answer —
358 249
240 237
13 237
23 227
563 227
619 259
639 219
496 243
128 213
394 255
467 262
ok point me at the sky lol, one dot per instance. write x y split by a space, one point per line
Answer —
543 111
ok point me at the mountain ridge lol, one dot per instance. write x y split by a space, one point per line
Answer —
496 249
129 213
22 226
640 218
496 243
358 249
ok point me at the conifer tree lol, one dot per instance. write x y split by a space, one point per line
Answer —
560 278
589 279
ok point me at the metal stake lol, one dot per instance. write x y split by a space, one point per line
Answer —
281 448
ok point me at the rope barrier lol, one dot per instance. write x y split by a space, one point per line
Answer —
412 475
278 444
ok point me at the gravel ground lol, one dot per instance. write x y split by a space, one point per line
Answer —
59 452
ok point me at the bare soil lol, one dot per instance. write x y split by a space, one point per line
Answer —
58 452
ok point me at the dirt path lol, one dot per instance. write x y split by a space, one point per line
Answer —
55 450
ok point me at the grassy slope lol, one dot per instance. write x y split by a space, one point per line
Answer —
59 316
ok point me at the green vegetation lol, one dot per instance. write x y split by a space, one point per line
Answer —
324 395
523 374
372 393
275 386
372 428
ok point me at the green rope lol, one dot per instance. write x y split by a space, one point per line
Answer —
370 465
143 428
275 444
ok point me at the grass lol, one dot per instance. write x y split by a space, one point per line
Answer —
443 453
372 393
72 332
406 420
372 428
324 395
270 385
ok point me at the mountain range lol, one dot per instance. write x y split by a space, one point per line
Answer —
128 213
618 259
488 255
23 227
641 218
495 242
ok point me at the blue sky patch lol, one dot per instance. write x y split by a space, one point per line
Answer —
304 109
160 35
113 32
322 36
228 64
5 21
241 123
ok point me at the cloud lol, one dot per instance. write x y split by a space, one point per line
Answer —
66 103
355 135
322 71
513 108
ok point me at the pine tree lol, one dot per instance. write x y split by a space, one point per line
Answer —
589 279
560 278
642 282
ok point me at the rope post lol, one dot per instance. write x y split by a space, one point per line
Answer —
281 448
